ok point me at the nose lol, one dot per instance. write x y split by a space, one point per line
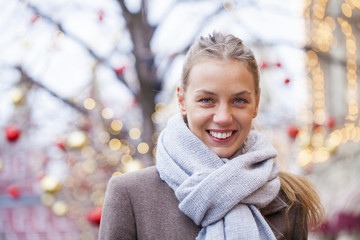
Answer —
223 115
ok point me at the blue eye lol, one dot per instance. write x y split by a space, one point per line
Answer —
206 100
240 101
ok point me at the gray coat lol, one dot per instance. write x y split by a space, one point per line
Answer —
139 205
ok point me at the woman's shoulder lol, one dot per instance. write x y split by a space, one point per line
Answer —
143 175
145 181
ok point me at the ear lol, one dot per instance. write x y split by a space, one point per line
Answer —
257 104
181 100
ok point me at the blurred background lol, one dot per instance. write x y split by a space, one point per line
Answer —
86 87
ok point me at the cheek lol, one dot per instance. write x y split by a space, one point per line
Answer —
196 120
245 115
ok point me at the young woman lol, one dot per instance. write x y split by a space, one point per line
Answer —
215 177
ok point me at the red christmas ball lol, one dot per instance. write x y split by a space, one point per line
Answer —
13 191
293 131
278 64
287 81
101 14
120 70
60 144
331 122
34 18
94 215
12 133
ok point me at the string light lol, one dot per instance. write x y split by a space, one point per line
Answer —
133 166
126 159
116 125
104 137
143 148
320 36
115 144
113 160
107 113
89 103
352 95
89 166
135 133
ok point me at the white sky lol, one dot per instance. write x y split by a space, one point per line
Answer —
67 69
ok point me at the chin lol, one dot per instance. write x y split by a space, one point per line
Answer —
223 155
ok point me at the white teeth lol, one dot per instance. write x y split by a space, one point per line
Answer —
220 135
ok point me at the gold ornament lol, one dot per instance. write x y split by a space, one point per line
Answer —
60 208
16 95
77 139
50 184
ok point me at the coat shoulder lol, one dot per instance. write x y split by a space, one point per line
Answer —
154 206
144 181
149 174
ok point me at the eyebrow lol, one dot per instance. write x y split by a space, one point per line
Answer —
245 92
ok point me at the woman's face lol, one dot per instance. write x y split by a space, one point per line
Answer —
220 103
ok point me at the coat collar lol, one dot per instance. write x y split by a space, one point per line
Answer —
276 205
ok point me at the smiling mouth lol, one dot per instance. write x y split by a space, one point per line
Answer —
221 135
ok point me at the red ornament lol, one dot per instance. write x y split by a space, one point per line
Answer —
315 126
94 215
287 81
263 65
60 144
278 64
133 102
13 191
293 131
101 14
120 70
331 122
12 133
34 18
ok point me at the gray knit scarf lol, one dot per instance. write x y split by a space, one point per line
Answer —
223 196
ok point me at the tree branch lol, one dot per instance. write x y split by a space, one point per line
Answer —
126 13
26 77
81 43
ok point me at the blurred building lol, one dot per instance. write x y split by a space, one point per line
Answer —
330 141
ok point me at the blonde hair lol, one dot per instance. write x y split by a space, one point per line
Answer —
218 46
228 47
301 191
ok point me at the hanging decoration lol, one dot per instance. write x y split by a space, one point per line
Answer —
61 144
12 133
16 95
35 18
94 215
76 140
120 70
293 131
100 14
50 184
13 191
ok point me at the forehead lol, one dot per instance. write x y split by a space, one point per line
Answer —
221 72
